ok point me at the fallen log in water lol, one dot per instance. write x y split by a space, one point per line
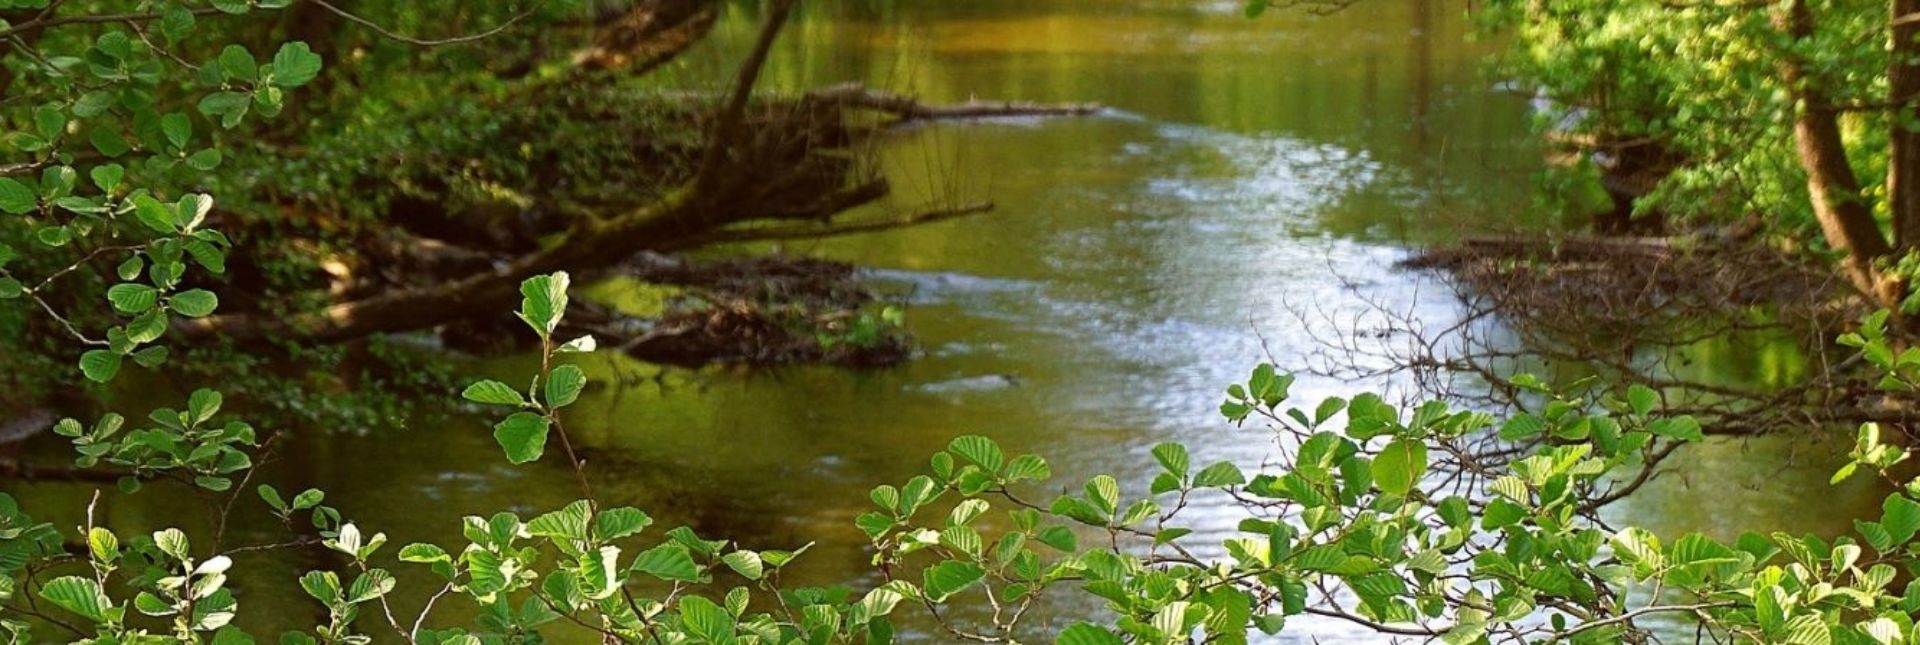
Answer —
908 109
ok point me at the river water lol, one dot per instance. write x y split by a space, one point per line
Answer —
1247 171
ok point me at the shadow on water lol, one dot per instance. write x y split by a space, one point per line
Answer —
1139 261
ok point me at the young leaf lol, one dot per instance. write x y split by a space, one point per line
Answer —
564 385
492 392
544 301
1173 457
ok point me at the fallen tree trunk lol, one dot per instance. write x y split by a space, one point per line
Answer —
767 170
909 109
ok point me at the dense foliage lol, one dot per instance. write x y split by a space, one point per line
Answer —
1379 516
1716 111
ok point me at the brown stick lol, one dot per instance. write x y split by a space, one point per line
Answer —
728 125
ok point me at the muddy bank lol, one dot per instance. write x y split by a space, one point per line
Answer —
672 310
1634 281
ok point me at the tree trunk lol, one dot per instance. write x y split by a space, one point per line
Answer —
1834 189
1903 123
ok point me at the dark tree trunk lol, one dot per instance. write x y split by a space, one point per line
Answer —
1903 158
1834 189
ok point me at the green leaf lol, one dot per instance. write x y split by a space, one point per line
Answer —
544 301
239 63
1104 492
203 160
16 197
308 498
1173 457
1087 634
1682 428
706 620
229 107
1642 399
54 236
152 605
1060 538
568 523
176 23
746 563
157 216
132 298
372 585
564 385
174 543
1522 426
295 65
193 209
271 496
944 580
979 450
492 392
616 523
671 562
99 365
194 303
422 553
1028 467
324 586
177 129
1900 517
523 436
1400 466
50 121
1219 475
232 636
108 141
103 545
79 595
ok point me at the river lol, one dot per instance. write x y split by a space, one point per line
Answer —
1138 262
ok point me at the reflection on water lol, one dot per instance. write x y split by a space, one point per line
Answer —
1138 262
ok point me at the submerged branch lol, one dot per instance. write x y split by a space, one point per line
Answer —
909 109
774 233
